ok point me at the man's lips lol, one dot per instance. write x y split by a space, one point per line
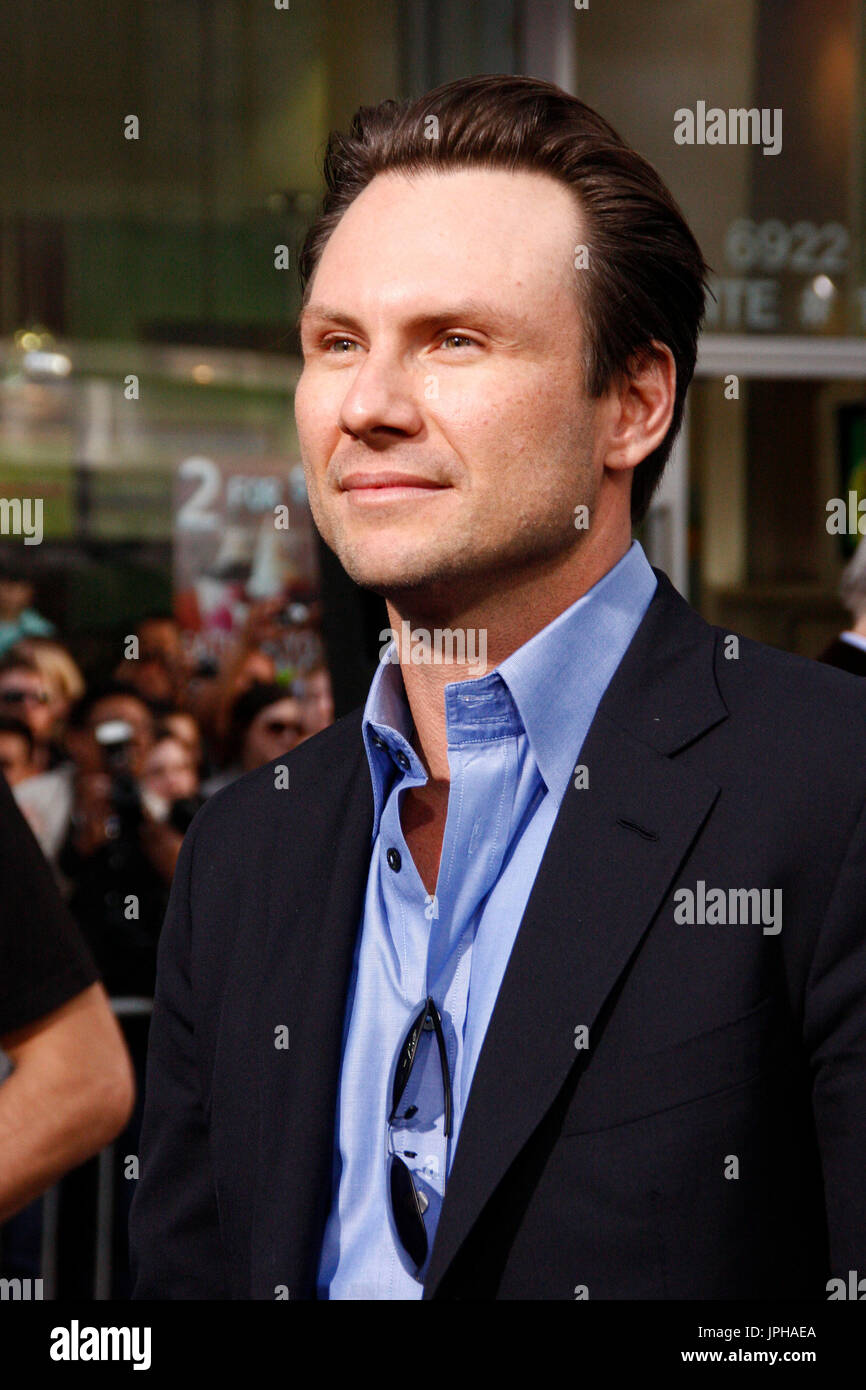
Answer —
362 482
373 488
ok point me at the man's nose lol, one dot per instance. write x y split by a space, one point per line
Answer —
382 397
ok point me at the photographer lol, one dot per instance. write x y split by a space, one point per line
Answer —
118 858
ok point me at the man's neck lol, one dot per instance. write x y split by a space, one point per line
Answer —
496 625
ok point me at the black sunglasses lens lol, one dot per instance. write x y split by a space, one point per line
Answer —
407 1212
405 1060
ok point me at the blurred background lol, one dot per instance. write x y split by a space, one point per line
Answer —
159 164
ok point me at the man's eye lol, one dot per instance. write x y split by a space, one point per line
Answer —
458 338
335 342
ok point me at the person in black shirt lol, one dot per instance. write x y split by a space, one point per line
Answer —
71 1088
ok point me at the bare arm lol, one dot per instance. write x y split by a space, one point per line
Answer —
71 1091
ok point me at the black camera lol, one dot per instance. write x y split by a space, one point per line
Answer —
114 737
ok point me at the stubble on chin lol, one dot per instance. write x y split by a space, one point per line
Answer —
413 574
443 581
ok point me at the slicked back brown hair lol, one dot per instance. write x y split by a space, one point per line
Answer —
645 279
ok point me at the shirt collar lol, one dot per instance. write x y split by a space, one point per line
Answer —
387 727
567 666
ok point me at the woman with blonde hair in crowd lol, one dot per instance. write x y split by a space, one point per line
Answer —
46 798
62 677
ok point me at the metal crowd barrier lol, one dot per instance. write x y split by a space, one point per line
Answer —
103 1270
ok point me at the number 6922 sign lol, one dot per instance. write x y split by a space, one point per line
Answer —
803 247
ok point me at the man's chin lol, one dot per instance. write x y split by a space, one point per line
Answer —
390 582
392 576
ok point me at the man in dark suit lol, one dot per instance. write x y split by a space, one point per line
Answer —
542 976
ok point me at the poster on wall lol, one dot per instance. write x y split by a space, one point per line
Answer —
244 543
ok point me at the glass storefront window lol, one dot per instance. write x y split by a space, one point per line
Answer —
755 114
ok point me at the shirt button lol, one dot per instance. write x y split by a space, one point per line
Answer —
378 741
402 760
394 860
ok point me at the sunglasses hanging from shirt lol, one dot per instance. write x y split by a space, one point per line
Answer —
407 1203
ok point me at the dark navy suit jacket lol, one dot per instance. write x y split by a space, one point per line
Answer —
709 1142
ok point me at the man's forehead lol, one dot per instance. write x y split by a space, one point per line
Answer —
441 226
448 264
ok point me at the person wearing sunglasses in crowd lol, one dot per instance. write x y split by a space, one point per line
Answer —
24 694
265 721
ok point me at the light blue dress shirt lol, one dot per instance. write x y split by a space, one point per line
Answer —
514 736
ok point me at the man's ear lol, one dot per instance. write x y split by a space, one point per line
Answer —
643 406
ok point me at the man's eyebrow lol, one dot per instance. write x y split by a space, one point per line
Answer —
467 311
322 313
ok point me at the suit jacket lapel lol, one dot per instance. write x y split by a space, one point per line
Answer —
317 882
611 857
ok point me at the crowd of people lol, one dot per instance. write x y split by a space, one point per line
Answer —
110 773
108 769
